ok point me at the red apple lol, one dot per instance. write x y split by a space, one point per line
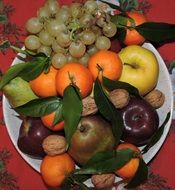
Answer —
140 121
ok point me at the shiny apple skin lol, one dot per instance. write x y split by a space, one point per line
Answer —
140 121
140 68
31 135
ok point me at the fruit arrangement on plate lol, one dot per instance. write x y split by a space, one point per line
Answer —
91 97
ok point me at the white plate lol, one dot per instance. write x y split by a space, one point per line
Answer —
164 84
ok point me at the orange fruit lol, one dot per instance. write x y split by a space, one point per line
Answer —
129 169
76 73
54 169
44 84
132 36
47 120
106 63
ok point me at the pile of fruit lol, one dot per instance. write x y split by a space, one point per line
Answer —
81 102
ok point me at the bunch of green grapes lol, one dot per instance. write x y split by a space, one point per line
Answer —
69 32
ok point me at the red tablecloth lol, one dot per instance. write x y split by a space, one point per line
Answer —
18 174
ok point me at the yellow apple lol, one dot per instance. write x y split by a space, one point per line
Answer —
140 68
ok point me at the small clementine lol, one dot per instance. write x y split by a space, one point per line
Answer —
132 36
54 169
129 169
74 73
47 120
44 84
105 63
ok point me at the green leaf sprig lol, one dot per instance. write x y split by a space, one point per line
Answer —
71 110
108 110
28 70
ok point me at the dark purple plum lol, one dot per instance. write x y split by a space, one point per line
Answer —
140 121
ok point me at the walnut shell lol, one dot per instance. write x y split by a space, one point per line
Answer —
156 98
103 181
119 97
89 106
54 145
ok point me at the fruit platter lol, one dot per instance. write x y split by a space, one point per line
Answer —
88 101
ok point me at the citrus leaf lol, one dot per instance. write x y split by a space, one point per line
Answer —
39 107
108 110
28 71
58 115
157 31
128 5
111 85
106 162
72 109
140 176
157 135
11 73
34 68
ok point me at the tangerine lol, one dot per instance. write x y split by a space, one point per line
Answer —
74 73
132 36
129 169
44 84
105 63
54 169
47 120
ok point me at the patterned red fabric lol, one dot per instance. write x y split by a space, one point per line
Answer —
23 177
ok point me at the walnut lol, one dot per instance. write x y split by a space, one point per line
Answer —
89 106
54 145
156 98
119 97
103 181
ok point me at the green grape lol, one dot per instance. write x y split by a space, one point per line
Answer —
86 19
45 38
45 49
32 42
58 60
64 38
92 49
43 13
75 10
54 27
77 49
109 29
90 6
57 48
97 30
63 15
101 21
84 60
102 42
52 6
88 37
34 25
70 58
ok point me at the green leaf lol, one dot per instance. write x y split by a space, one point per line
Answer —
157 135
157 31
112 85
5 44
34 68
119 20
128 5
108 110
11 73
72 109
28 71
140 176
3 18
171 67
58 115
39 107
106 162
